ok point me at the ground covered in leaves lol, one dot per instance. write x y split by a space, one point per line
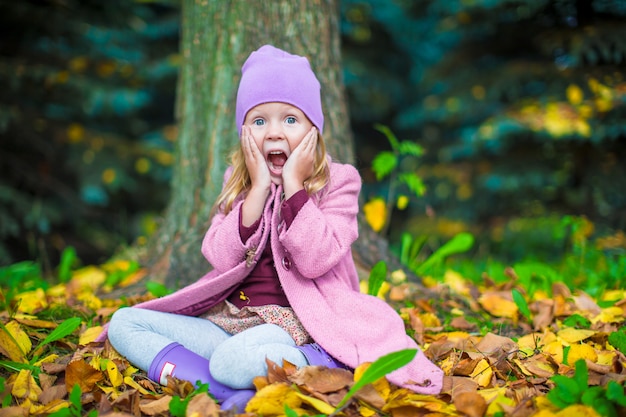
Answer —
504 353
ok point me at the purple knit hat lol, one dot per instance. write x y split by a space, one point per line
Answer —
273 75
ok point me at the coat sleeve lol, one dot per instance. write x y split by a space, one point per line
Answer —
323 231
222 245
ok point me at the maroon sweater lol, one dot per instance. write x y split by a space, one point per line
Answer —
262 286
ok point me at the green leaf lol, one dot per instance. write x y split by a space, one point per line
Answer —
521 304
378 369
383 164
615 393
413 182
617 339
157 289
178 407
566 392
68 257
577 321
462 242
581 376
289 412
64 329
410 148
378 274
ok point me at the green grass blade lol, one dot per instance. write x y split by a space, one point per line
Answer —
378 369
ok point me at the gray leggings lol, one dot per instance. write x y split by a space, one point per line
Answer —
140 334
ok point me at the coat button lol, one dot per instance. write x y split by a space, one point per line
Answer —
286 263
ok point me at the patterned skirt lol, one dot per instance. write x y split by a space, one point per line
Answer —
234 320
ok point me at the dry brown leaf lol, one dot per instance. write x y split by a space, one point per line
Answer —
321 379
202 405
56 392
81 373
154 407
496 347
471 404
544 313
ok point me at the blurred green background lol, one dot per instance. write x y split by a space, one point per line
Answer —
519 105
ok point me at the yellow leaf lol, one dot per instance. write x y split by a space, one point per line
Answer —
90 300
609 315
89 335
131 382
381 385
606 357
496 398
402 202
555 349
429 320
88 279
496 305
575 94
319 405
31 301
482 373
15 344
115 376
271 400
48 359
581 351
25 386
577 410
130 370
456 282
571 335
375 213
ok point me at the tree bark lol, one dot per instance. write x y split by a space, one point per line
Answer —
216 38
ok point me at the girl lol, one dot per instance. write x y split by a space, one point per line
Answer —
283 284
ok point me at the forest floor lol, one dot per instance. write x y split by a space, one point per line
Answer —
560 355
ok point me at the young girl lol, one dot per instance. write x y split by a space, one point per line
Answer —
283 284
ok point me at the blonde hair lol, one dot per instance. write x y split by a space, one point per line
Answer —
239 181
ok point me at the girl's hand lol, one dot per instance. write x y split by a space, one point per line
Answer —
255 161
300 164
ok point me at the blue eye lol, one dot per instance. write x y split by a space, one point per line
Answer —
258 122
290 120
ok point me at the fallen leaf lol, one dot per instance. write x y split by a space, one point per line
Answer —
202 405
571 335
25 386
482 373
270 401
81 373
14 342
470 404
155 407
498 304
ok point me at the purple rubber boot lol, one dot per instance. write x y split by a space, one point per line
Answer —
316 355
179 362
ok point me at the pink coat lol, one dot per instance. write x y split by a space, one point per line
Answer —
315 267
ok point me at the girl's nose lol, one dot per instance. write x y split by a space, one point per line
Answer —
275 131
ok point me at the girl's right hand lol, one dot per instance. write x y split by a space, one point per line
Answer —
255 161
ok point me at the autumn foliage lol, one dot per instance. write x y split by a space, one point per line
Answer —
544 355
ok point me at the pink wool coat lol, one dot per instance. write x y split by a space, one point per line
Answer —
316 270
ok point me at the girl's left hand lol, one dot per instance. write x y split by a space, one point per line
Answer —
300 164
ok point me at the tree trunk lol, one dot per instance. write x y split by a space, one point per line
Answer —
217 37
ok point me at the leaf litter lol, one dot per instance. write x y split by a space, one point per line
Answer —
499 357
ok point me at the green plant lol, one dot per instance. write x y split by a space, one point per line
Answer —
576 390
378 369
388 164
411 248
75 408
178 405
378 274
64 329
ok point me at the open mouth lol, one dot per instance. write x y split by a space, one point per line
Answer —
276 160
